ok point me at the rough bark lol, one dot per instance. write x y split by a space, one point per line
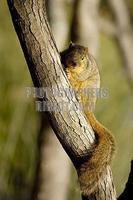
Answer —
69 125
50 151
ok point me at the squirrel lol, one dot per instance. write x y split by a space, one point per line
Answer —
83 73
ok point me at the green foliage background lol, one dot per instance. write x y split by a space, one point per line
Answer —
19 121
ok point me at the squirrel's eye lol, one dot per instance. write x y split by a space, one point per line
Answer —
82 58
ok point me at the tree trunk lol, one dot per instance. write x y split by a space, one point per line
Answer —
69 125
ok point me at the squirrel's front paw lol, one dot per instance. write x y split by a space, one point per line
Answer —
67 73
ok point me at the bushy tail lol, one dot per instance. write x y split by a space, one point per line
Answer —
92 170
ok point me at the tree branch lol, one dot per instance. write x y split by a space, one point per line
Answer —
44 64
70 125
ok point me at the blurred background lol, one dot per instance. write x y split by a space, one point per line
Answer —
106 27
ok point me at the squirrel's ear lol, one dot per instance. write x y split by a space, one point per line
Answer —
71 44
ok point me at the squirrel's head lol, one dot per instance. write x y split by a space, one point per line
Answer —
75 57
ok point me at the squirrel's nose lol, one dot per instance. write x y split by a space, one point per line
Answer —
74 64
